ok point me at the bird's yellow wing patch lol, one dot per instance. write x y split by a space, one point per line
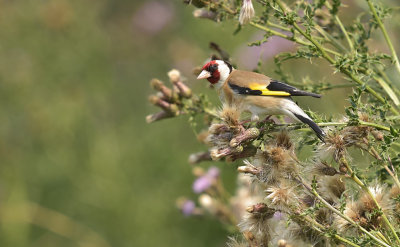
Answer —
265 91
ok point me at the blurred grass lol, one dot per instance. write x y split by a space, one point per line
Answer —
73 98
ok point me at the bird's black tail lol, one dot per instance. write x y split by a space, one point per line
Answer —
304 93
320 133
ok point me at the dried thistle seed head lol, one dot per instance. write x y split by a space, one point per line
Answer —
308 200
304 235
352 211
334 146
282 197
276 155
332 187
246 195
283 140
233 242
381 196
257 224
246 12
230 115
275 163
394 191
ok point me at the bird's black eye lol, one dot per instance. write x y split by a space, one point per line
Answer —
212 68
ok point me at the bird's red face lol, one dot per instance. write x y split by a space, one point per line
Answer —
210 72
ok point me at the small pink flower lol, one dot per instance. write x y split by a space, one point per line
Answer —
206 181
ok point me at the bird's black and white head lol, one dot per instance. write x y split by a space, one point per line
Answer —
216 72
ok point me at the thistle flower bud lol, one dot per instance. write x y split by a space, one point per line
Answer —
187 207
205 13
217 128
205 181
283 243
172 108
175 78
208 203
198 171
247 151
246 12
322 168
199 157
159 85
202 136
378 135
260 208
247 169
158 116
249 134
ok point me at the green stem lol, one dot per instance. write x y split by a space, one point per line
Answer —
332 61
331 39
291 38
385 34
326 124
328 87
339 22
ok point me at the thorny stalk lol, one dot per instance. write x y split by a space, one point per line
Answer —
385 34
332 61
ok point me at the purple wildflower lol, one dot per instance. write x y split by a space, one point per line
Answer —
188 207
204 182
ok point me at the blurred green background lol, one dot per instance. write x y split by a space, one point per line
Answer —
79 165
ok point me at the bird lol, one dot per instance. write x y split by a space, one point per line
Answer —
257 93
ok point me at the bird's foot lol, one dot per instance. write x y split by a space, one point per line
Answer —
268 120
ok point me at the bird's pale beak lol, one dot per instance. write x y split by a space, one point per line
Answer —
204 75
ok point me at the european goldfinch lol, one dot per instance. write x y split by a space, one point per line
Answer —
256 93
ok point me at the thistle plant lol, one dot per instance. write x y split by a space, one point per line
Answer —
346 192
